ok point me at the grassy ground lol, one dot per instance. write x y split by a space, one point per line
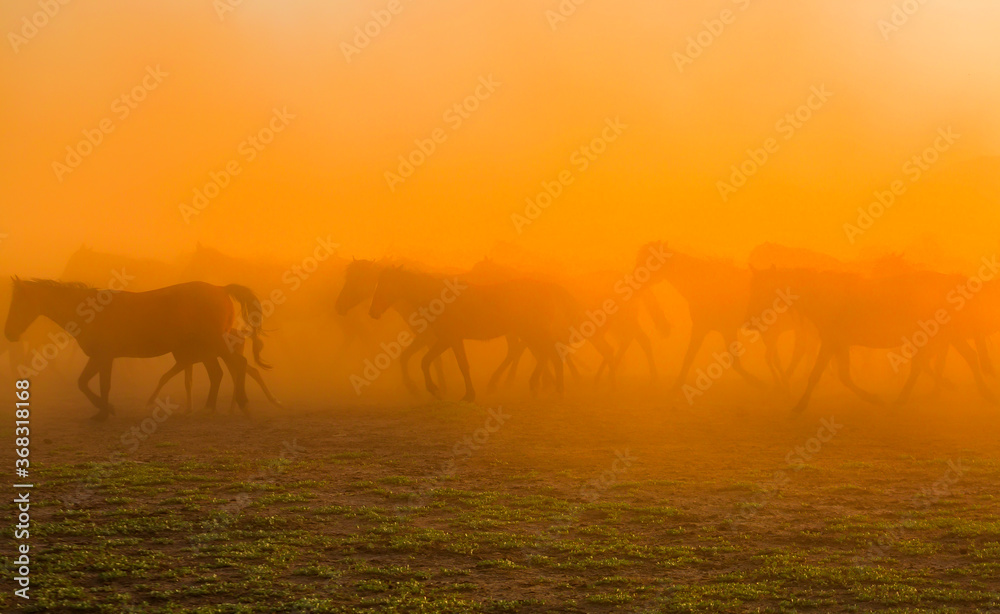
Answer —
543 507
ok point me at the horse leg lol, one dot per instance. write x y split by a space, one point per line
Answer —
571 367
601 344
439 370
969 354
404 364
822 360
83 382
647 348
436 349
623 347
537 374
254 373
512 370
188 381
557 364
773 359
512 349
694 344
730 339
166 377
214 380
463 365
237 364
939 362
983 349
918 365
843 358
105 383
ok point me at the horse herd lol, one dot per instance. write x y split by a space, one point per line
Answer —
828 306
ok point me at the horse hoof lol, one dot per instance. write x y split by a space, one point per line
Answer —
469 398
100 416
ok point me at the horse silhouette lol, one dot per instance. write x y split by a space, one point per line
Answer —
189 320
852 310
238 346
360 281
537 313
591 290
717 293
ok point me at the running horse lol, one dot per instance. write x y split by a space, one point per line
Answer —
190 320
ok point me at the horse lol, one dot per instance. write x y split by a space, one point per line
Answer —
592 291
360 281
769 255
189 320
851 310
537 313
717 293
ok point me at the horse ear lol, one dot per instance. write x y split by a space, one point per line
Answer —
753 269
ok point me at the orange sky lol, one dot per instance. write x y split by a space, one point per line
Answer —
324 173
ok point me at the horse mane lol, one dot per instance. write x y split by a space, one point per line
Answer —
52 283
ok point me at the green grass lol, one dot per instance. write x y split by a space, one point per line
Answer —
224 536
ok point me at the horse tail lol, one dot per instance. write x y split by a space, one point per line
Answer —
253 315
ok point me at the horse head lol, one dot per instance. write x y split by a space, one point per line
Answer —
360 279
387 290
23 310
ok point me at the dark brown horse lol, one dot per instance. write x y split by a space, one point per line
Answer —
192 321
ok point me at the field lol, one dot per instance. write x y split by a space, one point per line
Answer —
566 506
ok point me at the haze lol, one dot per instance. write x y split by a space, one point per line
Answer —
324 175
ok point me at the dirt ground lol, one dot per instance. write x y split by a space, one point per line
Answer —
581 505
